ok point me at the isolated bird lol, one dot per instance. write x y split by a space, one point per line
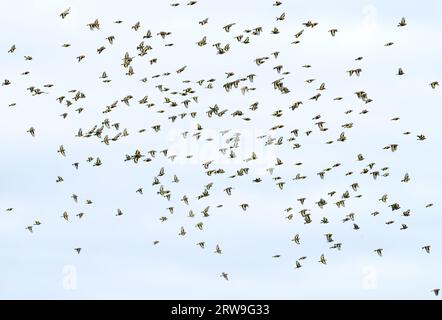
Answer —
402 23
65 13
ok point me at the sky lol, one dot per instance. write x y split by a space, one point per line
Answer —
118 259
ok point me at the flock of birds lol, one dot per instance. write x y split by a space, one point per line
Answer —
110 132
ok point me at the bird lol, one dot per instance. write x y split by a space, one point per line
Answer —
406 178
228 26
281 17
62 151
94 25
310 24
31 130
204 21
434 84
65 13
402 23
333 32
296 239
136 26
65 216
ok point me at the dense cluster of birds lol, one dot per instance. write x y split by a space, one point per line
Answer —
180 103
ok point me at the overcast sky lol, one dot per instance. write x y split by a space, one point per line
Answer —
118 258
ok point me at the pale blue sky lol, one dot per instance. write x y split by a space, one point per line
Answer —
118 259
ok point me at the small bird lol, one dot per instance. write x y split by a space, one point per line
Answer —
97 162
281 17
402 23
228 26
31 131
111 39
406 178
244 206
65 13
426 248
204 21
434 84
136 26
333 32
62 151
